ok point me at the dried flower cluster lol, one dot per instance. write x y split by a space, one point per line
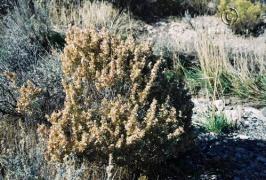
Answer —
10 76
120 100
28 94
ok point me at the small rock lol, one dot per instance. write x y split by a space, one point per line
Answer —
233 115
264 172
241 136
246 123
246 115
217 143
219 104
263 111
227 102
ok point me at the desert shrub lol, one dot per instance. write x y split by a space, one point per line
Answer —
249 15
7 94
45 77
22 156
28 95
26 55
121 101
34 93
21 39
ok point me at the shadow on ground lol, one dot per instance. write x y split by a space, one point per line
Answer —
224 157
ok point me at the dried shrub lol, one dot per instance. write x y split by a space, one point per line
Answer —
27 52
120 101
34 93
22 156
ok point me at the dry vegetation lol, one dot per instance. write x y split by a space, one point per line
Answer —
221 64
112 105
63 14
115 103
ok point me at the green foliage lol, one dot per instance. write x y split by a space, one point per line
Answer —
218 123
253 88
197 81
249 15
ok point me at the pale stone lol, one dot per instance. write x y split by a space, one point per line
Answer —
263 111
241 136
219 104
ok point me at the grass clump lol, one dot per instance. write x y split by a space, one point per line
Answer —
219 73
85 14
198 83
253 88
218 123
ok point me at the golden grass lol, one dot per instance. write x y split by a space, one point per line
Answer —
88 13
221 56
242 68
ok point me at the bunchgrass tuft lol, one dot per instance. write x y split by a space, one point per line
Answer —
218 123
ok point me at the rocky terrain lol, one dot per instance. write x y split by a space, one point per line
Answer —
238 155
221 62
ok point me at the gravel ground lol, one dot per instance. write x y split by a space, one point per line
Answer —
237 155
241 154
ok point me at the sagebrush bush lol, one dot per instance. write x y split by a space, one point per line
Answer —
120 101
249 15
22 156
32 93
26 54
